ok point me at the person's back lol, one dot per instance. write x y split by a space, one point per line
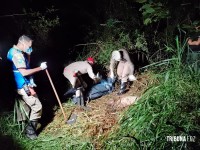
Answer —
82 66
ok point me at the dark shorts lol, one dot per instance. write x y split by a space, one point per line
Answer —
193 60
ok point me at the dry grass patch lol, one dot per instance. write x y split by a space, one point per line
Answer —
100 121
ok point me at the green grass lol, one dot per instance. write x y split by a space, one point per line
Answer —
13 138
170 107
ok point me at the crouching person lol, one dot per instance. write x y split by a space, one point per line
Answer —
125 68
17 56
73 73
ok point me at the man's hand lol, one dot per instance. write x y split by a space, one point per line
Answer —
32 83
43 65
132 78
112 75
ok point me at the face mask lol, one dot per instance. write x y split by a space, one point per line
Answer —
29 50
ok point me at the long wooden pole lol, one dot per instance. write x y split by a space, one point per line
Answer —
56 94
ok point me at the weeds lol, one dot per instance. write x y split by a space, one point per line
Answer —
170 107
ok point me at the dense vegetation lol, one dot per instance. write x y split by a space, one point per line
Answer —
154 32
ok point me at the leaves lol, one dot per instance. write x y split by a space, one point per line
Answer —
153 12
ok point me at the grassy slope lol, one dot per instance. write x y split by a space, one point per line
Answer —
169 107
88 132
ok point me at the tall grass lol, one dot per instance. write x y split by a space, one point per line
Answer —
9 132
13 138
170 107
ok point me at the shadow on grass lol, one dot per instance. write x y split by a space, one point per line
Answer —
8 143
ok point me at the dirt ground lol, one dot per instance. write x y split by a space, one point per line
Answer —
103 116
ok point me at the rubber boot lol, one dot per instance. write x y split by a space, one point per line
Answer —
122 88
80 101
30 130
34 124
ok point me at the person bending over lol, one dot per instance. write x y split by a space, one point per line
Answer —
73 73
125 68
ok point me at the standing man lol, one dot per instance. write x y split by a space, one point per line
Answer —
21 69
73 73
125 68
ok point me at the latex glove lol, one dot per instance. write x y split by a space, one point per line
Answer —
43 65
32 83
112 75
29 51
132 78
98 76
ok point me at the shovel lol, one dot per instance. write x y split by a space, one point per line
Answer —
72 118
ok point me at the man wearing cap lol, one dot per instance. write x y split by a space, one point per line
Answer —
73 72
24 84
125 68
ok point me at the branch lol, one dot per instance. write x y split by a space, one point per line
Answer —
12 15
86 44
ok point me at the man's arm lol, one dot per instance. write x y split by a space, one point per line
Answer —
90 72
112 64
26 72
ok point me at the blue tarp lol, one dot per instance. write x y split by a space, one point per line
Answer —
105 86
102 88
